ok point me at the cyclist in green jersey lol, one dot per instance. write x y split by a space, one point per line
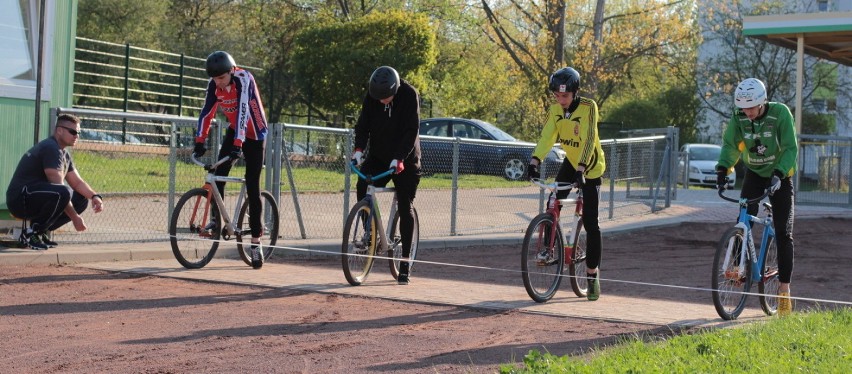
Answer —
763 135
573 122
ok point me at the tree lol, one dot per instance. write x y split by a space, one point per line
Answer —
736 57
333 61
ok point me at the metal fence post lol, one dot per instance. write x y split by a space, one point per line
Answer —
172 171
613 175
455 188
347 172
180 85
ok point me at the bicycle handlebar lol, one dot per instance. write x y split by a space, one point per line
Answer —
209 167
733 200
367 177
559 186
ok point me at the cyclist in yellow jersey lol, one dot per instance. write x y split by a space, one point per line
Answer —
573 122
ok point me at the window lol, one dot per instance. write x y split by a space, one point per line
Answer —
19 49
437 128
822 5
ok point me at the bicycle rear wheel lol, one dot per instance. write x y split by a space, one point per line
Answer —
395 246
192 245
768 287
729 281
269 221
541 260
360 239
576 261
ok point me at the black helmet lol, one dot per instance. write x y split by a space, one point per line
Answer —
218 63
383 83
565 80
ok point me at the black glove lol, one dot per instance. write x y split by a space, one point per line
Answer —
721 177
580 179
236 152
199 149
532 171
775 183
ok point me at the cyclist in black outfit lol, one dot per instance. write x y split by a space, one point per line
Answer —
387 131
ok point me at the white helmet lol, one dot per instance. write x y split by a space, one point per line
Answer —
750 93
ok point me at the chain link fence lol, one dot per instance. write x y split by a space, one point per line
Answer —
469 187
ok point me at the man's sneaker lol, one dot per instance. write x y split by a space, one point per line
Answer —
256 255
31 239
210 225
785 304
46 240
403 273
545 257
594 287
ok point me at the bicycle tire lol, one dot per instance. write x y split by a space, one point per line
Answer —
360 239
728 297
270 222
576 261
769 285
395 246
542 276
193 247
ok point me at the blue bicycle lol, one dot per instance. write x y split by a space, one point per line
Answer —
738 264
364 236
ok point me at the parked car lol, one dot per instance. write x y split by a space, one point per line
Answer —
702 164
507 160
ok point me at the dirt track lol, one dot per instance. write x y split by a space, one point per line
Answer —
69 319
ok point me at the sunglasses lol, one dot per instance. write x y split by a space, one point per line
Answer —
70 130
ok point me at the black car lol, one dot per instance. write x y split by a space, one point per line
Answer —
490 154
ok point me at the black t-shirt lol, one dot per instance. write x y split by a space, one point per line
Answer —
44 155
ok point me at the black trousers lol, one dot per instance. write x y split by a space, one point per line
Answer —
253 152
591 201
43 204
406 189
783 205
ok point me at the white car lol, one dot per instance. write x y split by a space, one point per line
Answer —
702 164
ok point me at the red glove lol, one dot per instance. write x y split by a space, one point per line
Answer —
398 165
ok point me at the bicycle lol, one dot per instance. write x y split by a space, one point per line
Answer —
544 254
736 265
195 233
364 235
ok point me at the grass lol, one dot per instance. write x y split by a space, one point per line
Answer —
818 342
140 173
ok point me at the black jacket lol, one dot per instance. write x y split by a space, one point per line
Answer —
393 131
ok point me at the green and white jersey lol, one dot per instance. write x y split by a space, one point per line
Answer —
766 144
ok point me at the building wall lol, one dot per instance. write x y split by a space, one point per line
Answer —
17 124
713 123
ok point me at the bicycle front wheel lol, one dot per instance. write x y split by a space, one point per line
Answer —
576 261
769 285
193 242
269 223
360 239
729 280
542 258
395 245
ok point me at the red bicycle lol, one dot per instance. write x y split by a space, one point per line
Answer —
545 254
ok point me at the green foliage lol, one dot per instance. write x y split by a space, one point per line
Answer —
332 62
676 106
811 342
818 123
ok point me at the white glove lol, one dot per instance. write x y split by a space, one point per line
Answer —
396 164
358 157
774 184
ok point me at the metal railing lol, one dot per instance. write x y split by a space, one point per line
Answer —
306 170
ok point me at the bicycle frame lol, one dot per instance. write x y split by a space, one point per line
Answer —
375 210
555 211
744 222
209 185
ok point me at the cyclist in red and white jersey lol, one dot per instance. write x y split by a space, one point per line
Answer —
234 91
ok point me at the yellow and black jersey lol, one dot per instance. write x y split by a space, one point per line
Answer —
577 130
